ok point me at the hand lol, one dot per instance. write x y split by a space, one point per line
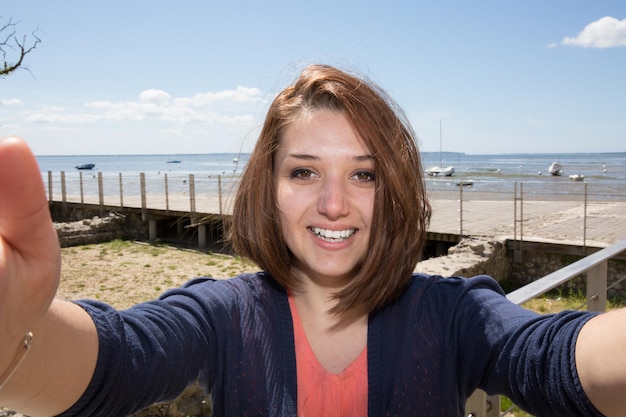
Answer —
29 248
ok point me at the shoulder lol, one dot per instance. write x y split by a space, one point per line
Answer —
452 287
252 290
450 297
244 283
443 311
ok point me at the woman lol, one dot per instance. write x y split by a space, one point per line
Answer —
332 207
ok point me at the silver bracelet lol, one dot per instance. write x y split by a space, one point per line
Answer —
17 361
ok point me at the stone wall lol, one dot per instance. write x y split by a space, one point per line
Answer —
192 402
470 257
83 226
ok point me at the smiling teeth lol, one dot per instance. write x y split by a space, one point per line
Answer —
333 235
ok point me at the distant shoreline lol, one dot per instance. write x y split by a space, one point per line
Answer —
556 155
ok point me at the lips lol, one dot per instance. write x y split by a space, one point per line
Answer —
332 235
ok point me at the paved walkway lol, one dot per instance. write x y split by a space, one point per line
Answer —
561 221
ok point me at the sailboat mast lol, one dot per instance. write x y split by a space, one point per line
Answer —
440 146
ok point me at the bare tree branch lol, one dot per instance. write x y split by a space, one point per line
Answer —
13 49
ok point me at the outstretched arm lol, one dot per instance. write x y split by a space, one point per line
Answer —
62 356
601 361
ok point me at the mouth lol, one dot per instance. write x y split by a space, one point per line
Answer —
332 235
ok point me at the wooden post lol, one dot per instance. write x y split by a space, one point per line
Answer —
142 182
518 218
219 192
521 217
202 236
515 213
101 193
121 192
192 196
80 180
192 207
50 186
167 196
63 192
461 210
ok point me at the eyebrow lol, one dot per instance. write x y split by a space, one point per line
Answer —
309 157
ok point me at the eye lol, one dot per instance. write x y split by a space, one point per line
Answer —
302 173
365 176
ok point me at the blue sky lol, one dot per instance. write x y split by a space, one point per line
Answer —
126 77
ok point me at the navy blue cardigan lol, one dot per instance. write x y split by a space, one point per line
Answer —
427 352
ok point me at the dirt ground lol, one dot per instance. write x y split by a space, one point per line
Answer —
123 273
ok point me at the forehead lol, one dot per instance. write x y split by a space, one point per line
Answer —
322 131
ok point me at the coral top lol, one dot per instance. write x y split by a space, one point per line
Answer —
321 393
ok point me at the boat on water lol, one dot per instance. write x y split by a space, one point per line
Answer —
441 170
174 161
556 169
465 183
85 166
577 177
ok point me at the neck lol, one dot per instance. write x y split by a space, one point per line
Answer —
335 339
315 303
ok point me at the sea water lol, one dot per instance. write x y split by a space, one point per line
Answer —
604 173
210 171
215 163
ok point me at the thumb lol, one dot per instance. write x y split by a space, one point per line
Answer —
29 247
25 222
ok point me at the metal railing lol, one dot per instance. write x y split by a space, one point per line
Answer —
595 266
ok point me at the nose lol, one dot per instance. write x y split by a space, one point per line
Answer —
333 200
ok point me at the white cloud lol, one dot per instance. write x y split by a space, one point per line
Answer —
55 114
239 95
11 102
222 107
154 96
606 32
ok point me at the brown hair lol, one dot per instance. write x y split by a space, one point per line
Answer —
401 208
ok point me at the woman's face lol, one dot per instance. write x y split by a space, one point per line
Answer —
325 183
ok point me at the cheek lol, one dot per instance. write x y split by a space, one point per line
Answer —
288 224
287 203
284 199
366 207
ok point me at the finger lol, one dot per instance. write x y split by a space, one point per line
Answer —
24 214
